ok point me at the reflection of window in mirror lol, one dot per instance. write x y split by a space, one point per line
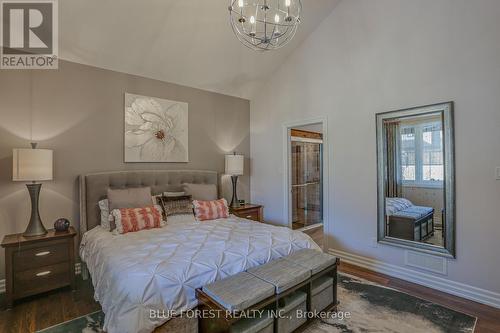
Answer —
422 152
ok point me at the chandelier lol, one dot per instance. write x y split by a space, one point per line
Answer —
265 24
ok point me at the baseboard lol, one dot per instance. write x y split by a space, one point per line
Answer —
463 290
78 270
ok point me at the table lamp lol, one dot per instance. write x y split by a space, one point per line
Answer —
234 167
33 165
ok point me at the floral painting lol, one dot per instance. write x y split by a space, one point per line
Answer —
156 130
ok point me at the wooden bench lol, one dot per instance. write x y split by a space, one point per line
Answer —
413 223
303 281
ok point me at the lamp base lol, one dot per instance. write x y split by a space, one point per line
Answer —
234 200
35 227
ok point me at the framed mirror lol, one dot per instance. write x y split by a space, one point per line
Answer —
416 179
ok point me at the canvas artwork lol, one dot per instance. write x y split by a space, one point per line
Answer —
156 130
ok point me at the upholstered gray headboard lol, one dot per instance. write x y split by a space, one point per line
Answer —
93 187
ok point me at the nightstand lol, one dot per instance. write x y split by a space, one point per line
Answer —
38 264
249 211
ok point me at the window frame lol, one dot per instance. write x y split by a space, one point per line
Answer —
419 157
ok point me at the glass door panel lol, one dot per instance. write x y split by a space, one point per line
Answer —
306 183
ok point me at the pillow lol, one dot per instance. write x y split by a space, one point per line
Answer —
104 207
107 220
174 194
135 197
135 219
106 216
176 205
203 192
210 210
181 219
393 205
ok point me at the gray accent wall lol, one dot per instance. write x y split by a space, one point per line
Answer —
78 112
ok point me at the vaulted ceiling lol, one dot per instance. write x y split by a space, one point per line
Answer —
188 42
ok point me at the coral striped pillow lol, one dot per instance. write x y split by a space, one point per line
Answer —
135 219
210 210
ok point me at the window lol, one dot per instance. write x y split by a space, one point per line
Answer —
422 154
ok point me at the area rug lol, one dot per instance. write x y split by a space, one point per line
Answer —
365 307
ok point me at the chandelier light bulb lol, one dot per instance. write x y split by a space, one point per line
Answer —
264 25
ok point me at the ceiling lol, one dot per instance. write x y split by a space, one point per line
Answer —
188 42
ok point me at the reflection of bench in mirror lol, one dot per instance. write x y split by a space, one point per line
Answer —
414 223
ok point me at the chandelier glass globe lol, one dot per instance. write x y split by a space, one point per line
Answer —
265 24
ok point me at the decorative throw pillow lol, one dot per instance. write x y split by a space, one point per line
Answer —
133 197
107 219
104 207
204 192
135 219
210 210
176 205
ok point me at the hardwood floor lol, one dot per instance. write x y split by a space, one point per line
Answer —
36 313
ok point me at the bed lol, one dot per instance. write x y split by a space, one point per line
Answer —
408 221
157 271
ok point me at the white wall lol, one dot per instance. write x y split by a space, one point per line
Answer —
375 56
318 128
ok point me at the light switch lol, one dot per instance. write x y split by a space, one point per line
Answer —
497 173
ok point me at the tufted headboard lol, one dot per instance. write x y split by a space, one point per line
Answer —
93 187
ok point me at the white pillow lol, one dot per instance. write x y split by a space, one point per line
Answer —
181 218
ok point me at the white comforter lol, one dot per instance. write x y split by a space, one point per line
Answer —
160 269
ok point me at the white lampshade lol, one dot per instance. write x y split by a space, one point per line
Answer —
234 164
32 164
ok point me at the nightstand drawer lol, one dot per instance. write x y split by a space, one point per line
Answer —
41 279
251 215
39 263
42 254
248 211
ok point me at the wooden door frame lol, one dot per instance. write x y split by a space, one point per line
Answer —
287 178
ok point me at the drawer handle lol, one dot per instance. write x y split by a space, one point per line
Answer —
43 273
41 254
249 216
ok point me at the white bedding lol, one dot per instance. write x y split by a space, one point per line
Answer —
159 269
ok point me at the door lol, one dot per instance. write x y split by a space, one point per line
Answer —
306 182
